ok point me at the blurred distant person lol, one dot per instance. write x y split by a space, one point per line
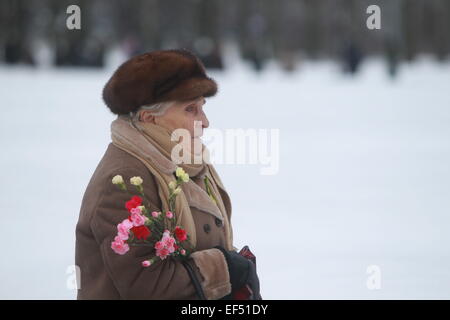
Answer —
391 53
352 58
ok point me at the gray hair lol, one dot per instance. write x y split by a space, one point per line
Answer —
157 109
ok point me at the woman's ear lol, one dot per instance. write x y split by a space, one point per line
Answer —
147 116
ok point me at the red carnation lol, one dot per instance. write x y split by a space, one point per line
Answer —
135 201
180 234
141 232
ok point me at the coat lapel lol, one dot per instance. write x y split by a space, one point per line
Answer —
198 198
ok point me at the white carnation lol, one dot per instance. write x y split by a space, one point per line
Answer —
179 172
185 177
117 179
172 185
136 181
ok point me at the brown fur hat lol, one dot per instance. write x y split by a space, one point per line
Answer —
157 76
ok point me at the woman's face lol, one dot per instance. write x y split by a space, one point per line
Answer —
182 114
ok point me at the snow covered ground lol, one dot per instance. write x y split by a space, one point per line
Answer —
364 177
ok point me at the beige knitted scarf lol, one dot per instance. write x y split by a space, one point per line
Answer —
152 145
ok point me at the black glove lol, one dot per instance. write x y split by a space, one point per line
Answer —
253 281
242 271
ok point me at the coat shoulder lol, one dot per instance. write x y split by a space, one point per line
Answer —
115 161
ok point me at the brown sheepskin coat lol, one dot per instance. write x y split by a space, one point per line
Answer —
107 275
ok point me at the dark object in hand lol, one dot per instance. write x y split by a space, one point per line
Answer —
243 277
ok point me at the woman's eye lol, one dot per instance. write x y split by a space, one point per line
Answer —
190 109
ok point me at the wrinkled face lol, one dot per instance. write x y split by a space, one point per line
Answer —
182 114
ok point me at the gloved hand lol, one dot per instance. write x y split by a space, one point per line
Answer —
253 281
242 272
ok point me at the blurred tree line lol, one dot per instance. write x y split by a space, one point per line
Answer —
286 30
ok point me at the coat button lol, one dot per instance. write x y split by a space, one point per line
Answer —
218 222
207 228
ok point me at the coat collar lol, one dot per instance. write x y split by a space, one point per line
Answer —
198 198
195 195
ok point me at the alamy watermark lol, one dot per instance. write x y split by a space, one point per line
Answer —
373 281
373 22
73 281
229 146
74 20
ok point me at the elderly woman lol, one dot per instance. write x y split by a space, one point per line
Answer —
152 95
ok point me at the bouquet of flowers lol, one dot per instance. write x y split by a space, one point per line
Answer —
154 229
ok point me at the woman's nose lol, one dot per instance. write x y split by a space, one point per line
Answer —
204 120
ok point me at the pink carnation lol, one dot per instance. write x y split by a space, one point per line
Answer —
168 241
119 246
163 253
155 214
123 228
136 210
137 219
159 245
165 246
169 214
146 263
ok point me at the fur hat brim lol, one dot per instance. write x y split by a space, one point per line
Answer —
158 76
190 89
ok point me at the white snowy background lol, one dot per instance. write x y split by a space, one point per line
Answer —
364 176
